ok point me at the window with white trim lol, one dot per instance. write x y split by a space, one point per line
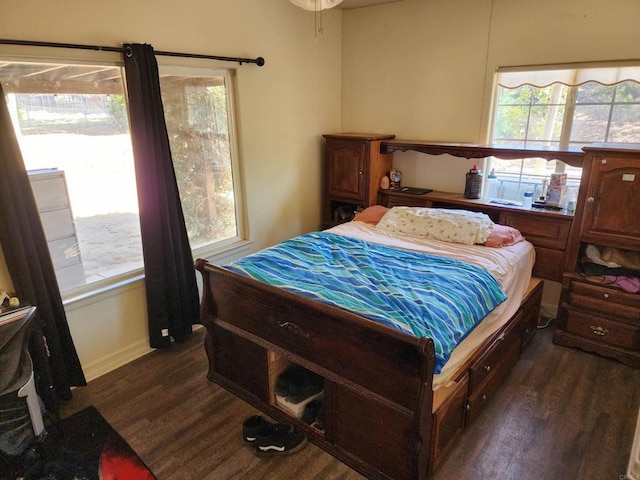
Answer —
199 114
71 122
562 108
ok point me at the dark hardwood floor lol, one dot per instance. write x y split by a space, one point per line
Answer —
562 414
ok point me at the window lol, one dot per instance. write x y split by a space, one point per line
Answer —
198 109
566 108
72 126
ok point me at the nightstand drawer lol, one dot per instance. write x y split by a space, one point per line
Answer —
602 330
610 301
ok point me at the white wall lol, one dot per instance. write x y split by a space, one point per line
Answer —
283 109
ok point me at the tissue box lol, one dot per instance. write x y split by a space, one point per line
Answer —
555 194
558 179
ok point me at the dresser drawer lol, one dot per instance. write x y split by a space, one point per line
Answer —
607 300
602 330
541 231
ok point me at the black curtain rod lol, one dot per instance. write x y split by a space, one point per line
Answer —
258 61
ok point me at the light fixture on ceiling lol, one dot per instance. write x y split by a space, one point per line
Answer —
316 6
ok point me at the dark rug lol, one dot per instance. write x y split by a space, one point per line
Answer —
80 447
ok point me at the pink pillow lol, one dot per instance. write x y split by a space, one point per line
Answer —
371 214
503 236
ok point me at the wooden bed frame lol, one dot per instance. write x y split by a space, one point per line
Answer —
382 416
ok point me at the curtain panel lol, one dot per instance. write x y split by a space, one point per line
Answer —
56 364
170 281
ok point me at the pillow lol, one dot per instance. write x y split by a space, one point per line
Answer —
371 214
503 236
456 226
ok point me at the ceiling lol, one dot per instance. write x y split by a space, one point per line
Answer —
348 4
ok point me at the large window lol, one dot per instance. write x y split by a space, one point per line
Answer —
72 126
566 108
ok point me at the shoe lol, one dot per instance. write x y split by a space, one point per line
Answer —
295 372
311 410
280 444
304 386
256 426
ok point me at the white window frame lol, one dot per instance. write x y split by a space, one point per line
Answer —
571 75
195 68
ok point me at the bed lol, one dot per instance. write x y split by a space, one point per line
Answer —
395 404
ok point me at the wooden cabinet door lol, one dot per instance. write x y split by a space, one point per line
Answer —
347 169
612 207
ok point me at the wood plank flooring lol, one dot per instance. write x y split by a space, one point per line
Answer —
562 414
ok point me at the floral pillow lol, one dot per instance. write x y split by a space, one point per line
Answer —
455 226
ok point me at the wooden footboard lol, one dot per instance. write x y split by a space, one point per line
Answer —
379 415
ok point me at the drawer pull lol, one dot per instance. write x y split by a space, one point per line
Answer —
293 328
606 295
487 368
599 330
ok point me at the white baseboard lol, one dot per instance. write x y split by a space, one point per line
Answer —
633 471
123 356
117 359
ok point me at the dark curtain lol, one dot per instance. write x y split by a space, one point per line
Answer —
172 292
56 364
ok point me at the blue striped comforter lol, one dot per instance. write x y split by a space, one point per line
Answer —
416 293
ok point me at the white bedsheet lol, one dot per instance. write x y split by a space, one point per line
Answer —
511 266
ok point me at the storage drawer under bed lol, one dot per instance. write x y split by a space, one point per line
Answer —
494 357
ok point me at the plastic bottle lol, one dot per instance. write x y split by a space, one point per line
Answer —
473 183
492 185
572 196
528 198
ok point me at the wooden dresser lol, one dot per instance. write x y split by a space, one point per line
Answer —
595 315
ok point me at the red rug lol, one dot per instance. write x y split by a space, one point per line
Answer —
82 446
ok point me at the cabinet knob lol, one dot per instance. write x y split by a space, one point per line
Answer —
591 200
606 295
601 332
360 172
487 368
